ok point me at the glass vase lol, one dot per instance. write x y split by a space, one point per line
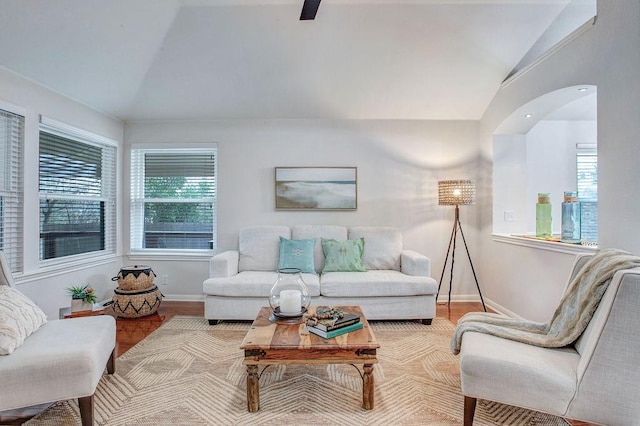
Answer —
571 218
289 297
543 216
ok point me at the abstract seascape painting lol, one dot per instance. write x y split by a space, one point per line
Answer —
316 188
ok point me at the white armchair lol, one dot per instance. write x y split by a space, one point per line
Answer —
61 359
594 380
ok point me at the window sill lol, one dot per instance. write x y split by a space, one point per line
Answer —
543 245
55 267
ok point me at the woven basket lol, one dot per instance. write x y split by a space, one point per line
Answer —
136 277
136 304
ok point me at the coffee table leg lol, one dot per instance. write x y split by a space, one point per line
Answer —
367 387
253 389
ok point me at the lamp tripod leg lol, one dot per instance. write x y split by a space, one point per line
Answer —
453 260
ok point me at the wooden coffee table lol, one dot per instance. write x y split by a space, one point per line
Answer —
274 343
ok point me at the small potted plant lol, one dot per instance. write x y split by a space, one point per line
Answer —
82 297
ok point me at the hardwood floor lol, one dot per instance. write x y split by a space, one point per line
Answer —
130 331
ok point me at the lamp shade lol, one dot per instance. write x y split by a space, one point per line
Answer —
456 192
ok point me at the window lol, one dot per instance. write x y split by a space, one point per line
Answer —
11 143
77 184
587 177
173 199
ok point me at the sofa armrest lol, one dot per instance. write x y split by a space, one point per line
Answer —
414 263
224 264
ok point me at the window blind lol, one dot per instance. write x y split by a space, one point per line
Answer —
587 182
69 167
11 188
200 165
77 183
173 203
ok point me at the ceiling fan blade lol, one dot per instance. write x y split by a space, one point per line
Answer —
309 10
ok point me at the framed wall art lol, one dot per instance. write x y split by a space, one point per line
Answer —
316 188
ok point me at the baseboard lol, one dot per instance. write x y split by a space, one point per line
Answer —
183 297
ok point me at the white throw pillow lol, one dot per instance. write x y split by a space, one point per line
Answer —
19 317
259 247
382 246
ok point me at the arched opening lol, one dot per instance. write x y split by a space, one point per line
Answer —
548 145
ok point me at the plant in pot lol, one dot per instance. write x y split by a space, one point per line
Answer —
82 297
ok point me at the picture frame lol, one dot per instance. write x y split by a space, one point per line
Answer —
316 188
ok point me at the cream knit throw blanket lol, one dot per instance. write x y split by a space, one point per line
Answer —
571 316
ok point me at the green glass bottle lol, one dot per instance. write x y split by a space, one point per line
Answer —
543 216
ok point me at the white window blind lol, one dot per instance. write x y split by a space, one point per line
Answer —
11 190
173 199
77 184
587 178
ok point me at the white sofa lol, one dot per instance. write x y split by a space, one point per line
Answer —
396 285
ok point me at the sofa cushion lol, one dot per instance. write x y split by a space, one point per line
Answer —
254 284
379 283
382 246
63 359
343 256
297 254
259 247
493 367
19 318
318 232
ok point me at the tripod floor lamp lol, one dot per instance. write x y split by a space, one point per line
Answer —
457 193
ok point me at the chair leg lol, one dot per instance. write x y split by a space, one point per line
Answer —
111 363
469 410
86 410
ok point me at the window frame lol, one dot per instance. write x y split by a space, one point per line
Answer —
138 200
108 189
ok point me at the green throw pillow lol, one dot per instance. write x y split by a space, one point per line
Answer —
297 254
343 256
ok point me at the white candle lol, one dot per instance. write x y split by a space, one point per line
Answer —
290 301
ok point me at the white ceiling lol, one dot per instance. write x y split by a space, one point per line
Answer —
219 59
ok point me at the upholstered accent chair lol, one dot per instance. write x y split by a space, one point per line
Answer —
59 360
594 380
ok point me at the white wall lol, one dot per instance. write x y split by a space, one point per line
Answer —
608 56
47 286
399 164
510 183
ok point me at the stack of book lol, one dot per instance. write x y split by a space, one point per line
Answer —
329 329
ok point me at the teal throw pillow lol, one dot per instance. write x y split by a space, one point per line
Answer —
343 256
297 254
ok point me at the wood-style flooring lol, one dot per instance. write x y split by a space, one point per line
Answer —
132 330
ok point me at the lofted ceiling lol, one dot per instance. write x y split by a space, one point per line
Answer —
237 59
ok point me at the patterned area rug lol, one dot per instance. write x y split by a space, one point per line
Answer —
190 373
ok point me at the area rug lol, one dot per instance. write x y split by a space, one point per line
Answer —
190 373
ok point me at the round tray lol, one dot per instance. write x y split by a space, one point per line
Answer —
276 315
